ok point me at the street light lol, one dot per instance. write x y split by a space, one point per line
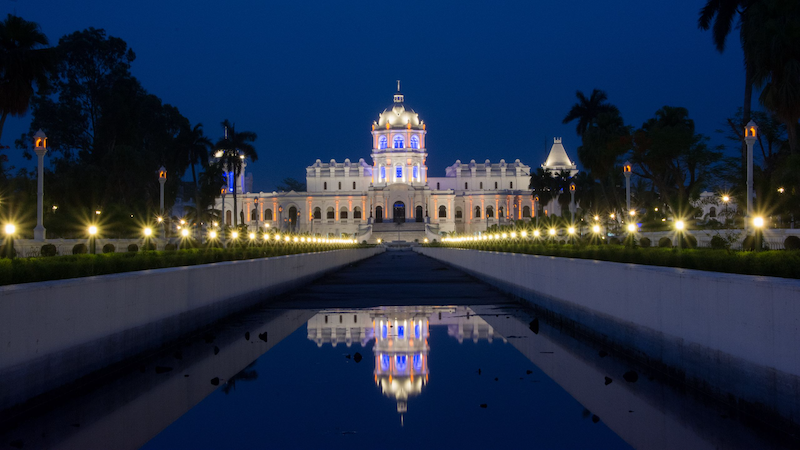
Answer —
679 226
750 132
10 230
40 141
148 232
626 170
92 239
758 223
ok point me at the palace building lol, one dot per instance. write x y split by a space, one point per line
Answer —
392 197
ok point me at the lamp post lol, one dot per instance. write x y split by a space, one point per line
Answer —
626 170
93 239
572 202
255 202
725 200
758 224
40 141
679 226
536 209
10 230
280 217
750 138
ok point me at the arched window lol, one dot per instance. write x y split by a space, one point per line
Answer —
330 213
495 184
466 185
398 172
438 187
459 213
379 214
712 212
382 142
511 185
501 212
481 185
399 142
340 185
489 212
526 211
356 213
254 214
317 213
325 185
442 212
343 213
414 142
354 185
477 212
228 216
267 214
383 173
416 172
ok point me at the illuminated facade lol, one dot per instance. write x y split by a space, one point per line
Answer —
354 198
401 341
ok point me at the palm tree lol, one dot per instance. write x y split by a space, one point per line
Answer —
24 61
772 50
723 13
194 146
587 109
232 150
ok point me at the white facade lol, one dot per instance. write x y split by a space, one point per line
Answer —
354 198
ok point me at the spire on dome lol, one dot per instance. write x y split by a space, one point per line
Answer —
398 97
558 160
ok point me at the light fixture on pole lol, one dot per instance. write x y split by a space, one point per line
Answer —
40 141
572 201
626 170
750 132
162 179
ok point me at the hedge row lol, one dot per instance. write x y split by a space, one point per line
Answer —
784 263
27 270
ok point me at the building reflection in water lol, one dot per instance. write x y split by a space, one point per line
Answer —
401 340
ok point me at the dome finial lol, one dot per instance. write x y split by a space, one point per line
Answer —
398 97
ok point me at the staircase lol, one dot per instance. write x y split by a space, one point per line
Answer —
391 232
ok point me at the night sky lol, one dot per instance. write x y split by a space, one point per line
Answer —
490 79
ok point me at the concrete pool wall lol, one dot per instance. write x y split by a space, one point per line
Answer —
55 332
708 314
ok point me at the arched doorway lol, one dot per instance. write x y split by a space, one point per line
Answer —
378 214
399 212
418 213
292 218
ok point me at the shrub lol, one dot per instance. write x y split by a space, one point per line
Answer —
49 250
749 244
170 247
80 249
645 242
109 248
613 241
688 241
364 242
719 243
665 242
4 251
149 246
791 243
133 248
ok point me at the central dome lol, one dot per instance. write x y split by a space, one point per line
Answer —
398 116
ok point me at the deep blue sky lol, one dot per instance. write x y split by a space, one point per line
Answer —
491 79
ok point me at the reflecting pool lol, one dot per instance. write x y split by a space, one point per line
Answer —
397 352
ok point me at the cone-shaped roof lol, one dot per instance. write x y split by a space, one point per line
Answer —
558 159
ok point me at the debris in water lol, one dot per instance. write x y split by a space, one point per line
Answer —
357 357
631 376
595 419
609 381
263 336
215 381
484 405
534 326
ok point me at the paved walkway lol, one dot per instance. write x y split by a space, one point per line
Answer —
394 278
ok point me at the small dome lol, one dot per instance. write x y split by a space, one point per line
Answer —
398 116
